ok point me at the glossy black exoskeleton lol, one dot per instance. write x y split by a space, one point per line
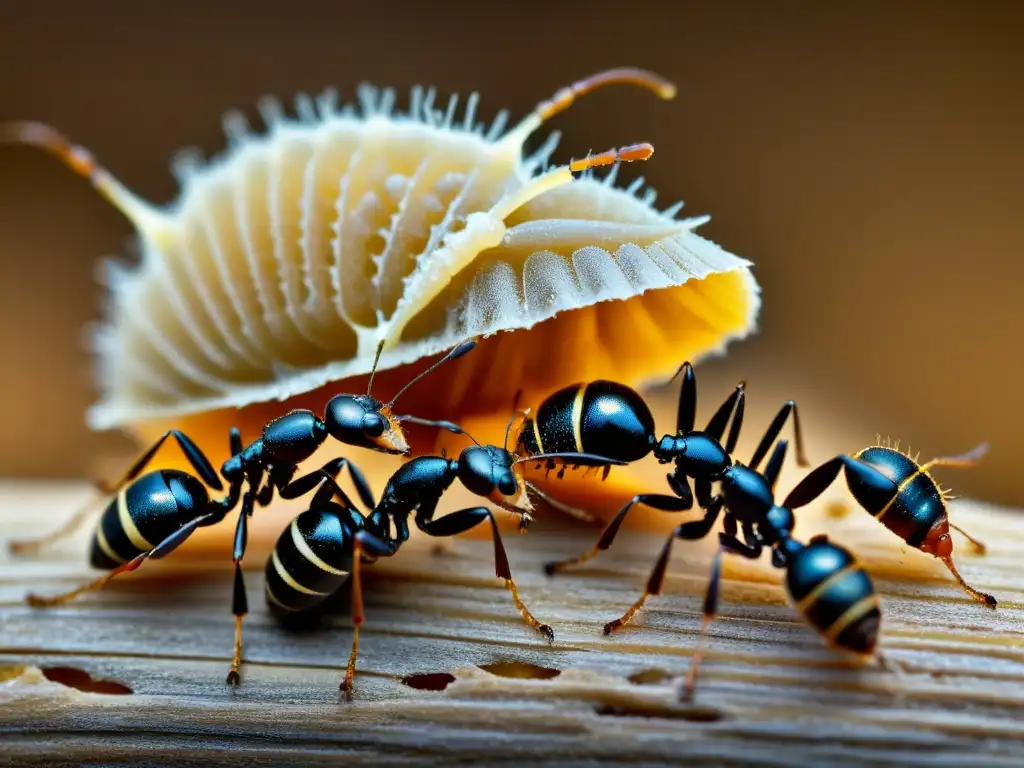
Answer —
325 545
827 587
611 420
152 514
902 495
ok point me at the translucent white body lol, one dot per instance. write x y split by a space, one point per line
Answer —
287 260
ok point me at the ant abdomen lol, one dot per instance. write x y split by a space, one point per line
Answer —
835 595
311 560
143 514
601 417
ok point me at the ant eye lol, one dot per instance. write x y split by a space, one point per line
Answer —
943 537
374 424
507 485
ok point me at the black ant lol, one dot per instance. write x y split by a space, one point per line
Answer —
153 514
608 419
324 546
826 585
903 496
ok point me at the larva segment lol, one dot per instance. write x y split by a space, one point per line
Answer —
289 172
182 313
216 205
407 233
251 195
333 155
200 269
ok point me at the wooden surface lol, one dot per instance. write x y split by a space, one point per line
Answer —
770 692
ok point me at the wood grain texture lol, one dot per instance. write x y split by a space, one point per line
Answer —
770 692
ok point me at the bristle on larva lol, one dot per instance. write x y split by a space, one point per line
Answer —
288 259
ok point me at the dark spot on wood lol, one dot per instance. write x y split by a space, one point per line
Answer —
73 677
693 714
520 670
434 681
650 677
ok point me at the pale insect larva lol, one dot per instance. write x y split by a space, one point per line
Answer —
286 261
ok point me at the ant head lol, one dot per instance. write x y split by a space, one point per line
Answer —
938 541
364 421
491 472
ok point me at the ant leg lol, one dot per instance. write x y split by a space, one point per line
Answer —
163 549
726 543
737 423
239 601
303 485
362 540
873 482
194 455
982 597
72 524
654 500
692 531
462 521
266 494
730 525
773 431
235 441
716 426
969 459
775 462
687 412
978 546
702 487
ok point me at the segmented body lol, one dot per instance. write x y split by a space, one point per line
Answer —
311 560
143 514
835 595
917 507
601 417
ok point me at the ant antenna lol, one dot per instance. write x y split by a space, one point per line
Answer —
563 174
572 457
566 97
511 421
373 371
508 429
146 218
454 354
450 426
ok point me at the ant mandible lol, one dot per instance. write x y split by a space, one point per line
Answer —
154 514
609 419
325 545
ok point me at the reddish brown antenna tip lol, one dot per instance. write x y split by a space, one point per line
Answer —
45 137
565 97
627 154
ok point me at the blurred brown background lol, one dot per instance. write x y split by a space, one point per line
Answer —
868 157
